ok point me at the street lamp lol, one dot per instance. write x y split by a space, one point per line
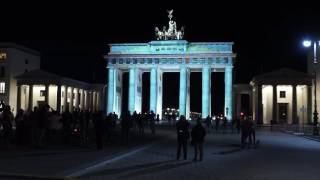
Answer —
308 43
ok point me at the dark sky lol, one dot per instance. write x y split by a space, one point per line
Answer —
73 37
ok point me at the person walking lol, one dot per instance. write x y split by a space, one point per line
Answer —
197 138
183 136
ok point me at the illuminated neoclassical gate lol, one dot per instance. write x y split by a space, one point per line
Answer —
168 54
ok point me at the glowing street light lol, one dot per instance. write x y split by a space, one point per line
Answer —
308 43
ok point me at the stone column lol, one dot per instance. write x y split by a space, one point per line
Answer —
46 97
135 90
82 100
71 100
156 91
65 99
294 104
18 97
183 91
86 100
30 97
274 103
98 101
309 108
58 108
159 92
111 91
206 91
259 105
188 95
228 92
94 101
131 97
153 89
77 98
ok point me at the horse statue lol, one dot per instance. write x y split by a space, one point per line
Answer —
171 33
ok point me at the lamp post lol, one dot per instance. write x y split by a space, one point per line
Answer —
308 43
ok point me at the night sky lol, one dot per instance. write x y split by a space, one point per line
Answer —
73 37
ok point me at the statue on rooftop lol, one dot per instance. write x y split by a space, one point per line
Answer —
172 33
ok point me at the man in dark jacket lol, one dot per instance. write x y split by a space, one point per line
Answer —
182 136
197 134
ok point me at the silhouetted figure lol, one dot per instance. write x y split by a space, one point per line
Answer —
42 125
34 116
208 123
224 124
98 127
7 119
197 138
158 118
238 125
126 124
217 123
182 136
66 121
252 135
152 123
245 132
108 124
20 126
139 118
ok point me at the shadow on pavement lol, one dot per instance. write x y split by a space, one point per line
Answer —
126 169
156 169
227 152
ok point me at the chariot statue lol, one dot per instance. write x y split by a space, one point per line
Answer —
172 33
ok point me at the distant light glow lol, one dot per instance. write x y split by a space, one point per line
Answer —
306 43
3 55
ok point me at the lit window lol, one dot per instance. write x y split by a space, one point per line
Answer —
42 93
2 87
282 94
3 56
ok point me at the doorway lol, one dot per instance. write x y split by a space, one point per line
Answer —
283 113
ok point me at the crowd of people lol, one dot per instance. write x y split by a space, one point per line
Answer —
36 128
43 125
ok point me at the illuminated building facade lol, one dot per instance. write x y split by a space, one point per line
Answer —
158 57
20 74
283 96
38 87
14 60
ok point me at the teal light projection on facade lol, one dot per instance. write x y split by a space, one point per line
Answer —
153 89
183 91
111 93
206 98
228 93
132 83
158 57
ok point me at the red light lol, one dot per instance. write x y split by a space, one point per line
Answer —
241 113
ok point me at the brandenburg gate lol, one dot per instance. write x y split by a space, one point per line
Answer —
169 53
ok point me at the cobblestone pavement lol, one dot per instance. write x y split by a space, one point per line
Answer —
279 156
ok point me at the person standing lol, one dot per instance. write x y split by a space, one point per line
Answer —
208 123
7 119
197 138
152 123
182 136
